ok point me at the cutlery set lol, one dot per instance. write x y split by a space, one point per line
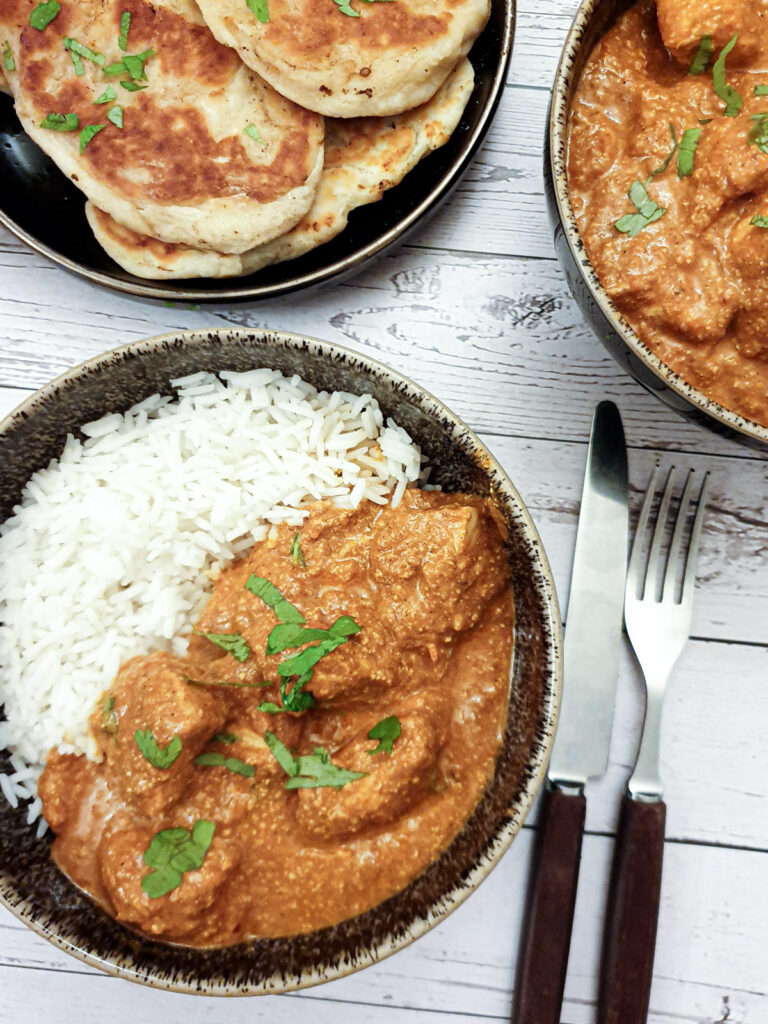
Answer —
654 594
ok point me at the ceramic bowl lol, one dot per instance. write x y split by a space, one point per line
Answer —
592 21
35 890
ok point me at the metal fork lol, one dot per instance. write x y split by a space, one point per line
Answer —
658 606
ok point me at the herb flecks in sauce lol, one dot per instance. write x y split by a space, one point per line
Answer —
233 643
158 757
172 852
386 732
309 771
760 220
297 555
213 759
272 597
109 722
648 211
758 133
687 151
702 56
729 96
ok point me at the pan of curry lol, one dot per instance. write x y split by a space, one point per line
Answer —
319 793
657 182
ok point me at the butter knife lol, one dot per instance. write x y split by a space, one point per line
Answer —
591 661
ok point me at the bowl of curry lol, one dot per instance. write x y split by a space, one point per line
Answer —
352 738
657 183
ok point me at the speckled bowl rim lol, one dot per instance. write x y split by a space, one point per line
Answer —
551 629
558 149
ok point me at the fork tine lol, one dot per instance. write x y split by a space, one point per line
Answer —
689 580
655 570
670 578
635 575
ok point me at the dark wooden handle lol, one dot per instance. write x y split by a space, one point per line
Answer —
633 912
544 960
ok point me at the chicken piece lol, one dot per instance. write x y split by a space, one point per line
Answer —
440 568
683 23
393 783
153 693
189 910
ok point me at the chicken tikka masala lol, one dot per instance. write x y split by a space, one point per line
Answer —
335 721
668 177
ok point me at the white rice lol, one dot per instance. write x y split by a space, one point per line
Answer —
114 547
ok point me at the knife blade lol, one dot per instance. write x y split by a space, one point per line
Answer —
591 659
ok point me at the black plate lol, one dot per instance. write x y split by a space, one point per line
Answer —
43 208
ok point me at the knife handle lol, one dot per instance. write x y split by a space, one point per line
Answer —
633 912
544 960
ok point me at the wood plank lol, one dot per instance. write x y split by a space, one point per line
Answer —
507 325
713 909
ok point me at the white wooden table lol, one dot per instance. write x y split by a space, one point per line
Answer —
477 310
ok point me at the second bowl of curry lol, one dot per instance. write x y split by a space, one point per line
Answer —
657 182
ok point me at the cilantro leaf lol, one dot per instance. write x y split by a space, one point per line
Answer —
296 701
647 211
296 553
253 132
272 597
344 626
727 93
172 852
702 56
758 133
345 8
88 133
224 737
665 162
688 144
761 90
107 96
386 732
79 69
132 86
134 64
158 757
109 720
260 8
760 220
309 771
125 24
60 122
224 682
234 643
115 115
43 14
234 764
291 634
8 61
305 660
84 51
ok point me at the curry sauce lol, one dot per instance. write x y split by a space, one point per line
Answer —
426 587
668 177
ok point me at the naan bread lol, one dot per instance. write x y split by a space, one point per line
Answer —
182 167
382 59
363 158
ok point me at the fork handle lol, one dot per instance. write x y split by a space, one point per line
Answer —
633 911
544 956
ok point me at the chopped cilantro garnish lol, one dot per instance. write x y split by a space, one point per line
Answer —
309 771
115 115
214 759
132 86
386 732
760 221
647 211
272 597
727 93
60 122
88 133
134 64
125 24
665 163
172 852
107 96
79 69
701 57
43 14
84 51
758 133
289 634
8 61
109 721
761 90
346 8
296 553
234 643
224 737
253 132
158 757
296 701
688 144
304 662
260 8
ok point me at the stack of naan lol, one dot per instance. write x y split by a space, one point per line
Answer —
213 139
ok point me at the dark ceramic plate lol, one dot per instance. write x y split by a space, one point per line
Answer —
42 206
30 884
592 21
